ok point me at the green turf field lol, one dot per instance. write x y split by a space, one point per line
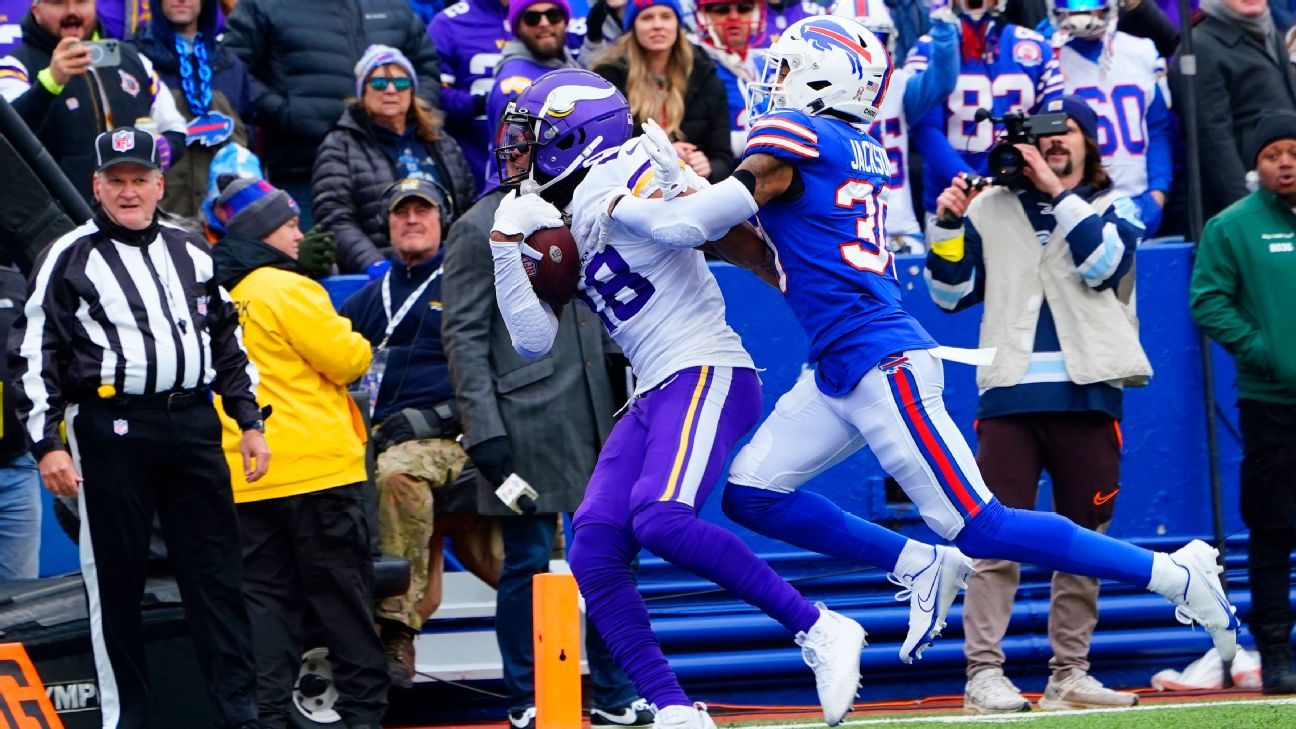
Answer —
1243 714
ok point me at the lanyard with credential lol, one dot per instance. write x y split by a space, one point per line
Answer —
394 321
372 379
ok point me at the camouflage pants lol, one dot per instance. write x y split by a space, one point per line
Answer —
407 474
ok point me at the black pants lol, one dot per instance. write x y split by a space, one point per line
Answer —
1269 510
135 462
313 550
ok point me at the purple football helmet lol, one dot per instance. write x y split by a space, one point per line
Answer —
562 119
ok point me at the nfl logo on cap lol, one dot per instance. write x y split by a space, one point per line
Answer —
123 140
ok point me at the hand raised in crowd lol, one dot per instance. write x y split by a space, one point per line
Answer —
256 455
58 473
952 204
70 58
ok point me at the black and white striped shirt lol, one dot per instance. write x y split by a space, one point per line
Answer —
143 319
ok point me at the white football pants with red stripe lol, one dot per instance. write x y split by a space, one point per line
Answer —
897 411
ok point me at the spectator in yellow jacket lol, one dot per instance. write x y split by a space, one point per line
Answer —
305 538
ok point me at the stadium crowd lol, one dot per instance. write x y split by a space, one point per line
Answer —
301 140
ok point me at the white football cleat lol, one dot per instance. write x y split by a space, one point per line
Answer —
1203 600
832 649
684 717
930 592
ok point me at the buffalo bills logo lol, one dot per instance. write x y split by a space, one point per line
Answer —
209 130
825 35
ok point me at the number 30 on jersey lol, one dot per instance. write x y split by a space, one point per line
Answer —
866 252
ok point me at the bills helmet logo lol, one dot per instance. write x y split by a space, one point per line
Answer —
123 140
209 130
826 35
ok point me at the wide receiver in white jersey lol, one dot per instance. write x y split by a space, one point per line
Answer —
911 95
565 138
1123 78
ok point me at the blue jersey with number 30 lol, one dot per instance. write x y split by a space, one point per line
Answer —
834 267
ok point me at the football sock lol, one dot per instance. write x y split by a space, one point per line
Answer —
1053 542
811 521
600 557
914 558
671 530
1168 579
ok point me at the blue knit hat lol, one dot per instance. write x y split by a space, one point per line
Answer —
1078 111
254 208
634 7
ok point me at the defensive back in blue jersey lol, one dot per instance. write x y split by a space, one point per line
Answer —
834 267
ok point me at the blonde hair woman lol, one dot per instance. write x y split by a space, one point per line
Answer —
387 133
669 79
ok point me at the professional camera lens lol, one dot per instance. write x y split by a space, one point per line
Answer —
1006 162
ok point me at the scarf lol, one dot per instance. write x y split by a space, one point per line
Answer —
1260 27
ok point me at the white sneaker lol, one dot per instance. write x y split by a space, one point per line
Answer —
1079 690
832 649
990 692
930 592
684 717
1203 600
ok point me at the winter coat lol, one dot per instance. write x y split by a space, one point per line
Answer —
556 410
186 181
306 354
302 56
350 176
1242 293
93 102
1237 83
706 110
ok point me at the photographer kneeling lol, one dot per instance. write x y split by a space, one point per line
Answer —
1052 257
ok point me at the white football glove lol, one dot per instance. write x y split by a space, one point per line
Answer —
668 171
525 214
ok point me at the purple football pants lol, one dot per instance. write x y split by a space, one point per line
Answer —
661 461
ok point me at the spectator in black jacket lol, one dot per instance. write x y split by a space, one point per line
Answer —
672 81
1243 74
301 57
67 102
387 134
211 90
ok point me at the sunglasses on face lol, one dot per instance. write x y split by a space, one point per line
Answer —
553 15
724 8
380 83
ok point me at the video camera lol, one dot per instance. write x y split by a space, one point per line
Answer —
1006 164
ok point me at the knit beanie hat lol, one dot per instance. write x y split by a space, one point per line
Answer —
634 7
1078 111
1273 126
380 55
517 7
254 208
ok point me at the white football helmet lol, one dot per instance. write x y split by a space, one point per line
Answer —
874 15
823 63
1083 18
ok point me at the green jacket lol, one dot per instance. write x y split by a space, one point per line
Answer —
1244 291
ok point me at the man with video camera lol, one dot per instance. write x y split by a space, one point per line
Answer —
1050 252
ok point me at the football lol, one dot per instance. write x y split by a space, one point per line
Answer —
555 274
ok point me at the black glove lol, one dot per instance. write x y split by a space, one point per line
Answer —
441 421
493 458
316 252
594 20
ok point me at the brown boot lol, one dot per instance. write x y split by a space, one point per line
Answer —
399 642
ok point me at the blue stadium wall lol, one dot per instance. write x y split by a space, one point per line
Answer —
725 651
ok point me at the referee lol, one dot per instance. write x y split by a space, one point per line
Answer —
126 334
